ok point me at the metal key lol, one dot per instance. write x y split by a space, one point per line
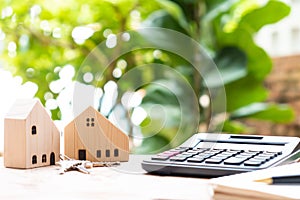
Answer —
80 167
68 164
105 164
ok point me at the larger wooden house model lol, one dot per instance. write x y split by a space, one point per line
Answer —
91 136
31 138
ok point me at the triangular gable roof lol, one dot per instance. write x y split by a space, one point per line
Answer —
98 115
21 108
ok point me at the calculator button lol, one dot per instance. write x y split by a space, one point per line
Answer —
235 151
178 159
160 158
227 153
271 155
253 163
217 150
243 157
182 148
213 161
260 157
201 156
248 153
192 151
188 154
200 150
274 152
209 153
195 160
168 153
234 161
255 151
222 157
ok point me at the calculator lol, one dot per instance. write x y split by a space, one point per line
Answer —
214 155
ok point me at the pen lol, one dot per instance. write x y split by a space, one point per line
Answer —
291 179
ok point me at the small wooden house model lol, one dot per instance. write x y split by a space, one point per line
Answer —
91 136
31 139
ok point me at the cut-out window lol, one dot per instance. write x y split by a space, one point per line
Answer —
116 152
34 159
107 153
82 154
52 158
90 122
98 153
44 158
33 130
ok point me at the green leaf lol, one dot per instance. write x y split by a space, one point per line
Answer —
276 11
259 63
235 127
232 65
265 111
217 7
152 145
244 92
176 12
163 19
156 93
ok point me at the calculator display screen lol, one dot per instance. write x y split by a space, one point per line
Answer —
238 146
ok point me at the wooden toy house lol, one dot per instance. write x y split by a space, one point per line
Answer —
91 136
31 139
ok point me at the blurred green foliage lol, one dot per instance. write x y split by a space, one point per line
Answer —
38 38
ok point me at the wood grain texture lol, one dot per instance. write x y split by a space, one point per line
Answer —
93 132
102 183
20 144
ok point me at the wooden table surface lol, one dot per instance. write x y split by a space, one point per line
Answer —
127 181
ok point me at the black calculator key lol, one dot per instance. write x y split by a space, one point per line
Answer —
234 161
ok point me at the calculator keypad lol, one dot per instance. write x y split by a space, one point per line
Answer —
217 156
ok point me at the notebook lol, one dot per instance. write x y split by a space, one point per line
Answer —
243 187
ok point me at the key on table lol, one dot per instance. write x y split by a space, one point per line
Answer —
69 165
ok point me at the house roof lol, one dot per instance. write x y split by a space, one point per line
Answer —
97 114
21 108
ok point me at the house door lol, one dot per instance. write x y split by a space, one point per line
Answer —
52 159
81 154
